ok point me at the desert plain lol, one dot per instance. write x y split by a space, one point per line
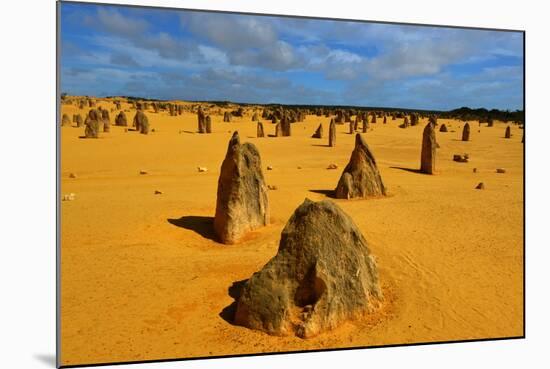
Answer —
144 278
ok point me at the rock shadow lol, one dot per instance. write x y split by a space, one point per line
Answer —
412 170
202 225
327 193
234 291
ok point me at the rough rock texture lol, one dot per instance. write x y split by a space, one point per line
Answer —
227 116
79 121
141 122
120 119
260 130
65 120
319 132
105 116
427 157
242 203
208 124
201 121
323 274
332 133
361 177
286 127
106 120
278 130
466 132
92 124
508 132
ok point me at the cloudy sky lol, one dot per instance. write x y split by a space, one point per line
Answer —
167 54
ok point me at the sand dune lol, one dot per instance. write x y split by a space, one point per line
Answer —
142 276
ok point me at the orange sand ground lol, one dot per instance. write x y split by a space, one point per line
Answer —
140 282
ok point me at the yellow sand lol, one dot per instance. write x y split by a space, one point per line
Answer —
139 284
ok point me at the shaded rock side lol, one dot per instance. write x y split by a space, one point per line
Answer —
141 122
323 274
260 130
361 177
319 132
427 156
466 132
242 203
332 133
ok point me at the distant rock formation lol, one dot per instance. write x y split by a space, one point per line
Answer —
201 121
208 124
65 120
242 203
322 275
260 130
141 122
508 132
429 144
466 132
319 132
332 133
79 121
443 128
227 117
106 120
361 177
92 124
120 119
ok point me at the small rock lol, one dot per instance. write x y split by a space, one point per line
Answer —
157 192
68 197
269 167
272 187
480 186
152 130
460 158
72 175
332 166
501 170
143 172
298 167
202 169
475 170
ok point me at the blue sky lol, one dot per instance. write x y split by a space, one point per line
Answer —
168 54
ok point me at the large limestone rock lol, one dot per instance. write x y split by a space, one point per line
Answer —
106 120
466 132
319 132
260 129
208 124
323 274
508 132
141 122
332 133
361 177
65 120
201 117
242 203
427 157
286 127
121 120
79 121
92 124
